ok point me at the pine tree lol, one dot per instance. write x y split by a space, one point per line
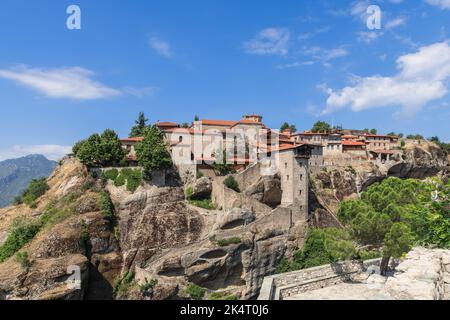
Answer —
141 124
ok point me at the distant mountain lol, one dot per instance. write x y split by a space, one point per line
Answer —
16 174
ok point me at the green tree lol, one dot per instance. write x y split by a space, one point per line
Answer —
321 126
196 118
396 213
111 148
152 153
399 240
140 124
373 131
100 150
286 126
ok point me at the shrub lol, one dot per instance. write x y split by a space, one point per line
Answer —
228 241
123 284
53 214
369 254
134 180
88 185
189 192
84 231
199 174
120 181
148 285
25 262
231 183
205 204
195 292
322 246
111 174
106 206
222 296
36 189
21 232
129 177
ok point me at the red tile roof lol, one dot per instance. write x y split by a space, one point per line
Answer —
226 123
309 133
353 143
167 124
137 139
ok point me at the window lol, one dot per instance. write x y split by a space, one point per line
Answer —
301 177
287 178
300 192
285 165
180 138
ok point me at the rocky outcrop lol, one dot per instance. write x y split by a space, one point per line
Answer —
421 159
266 190
423 275
201 188
154 220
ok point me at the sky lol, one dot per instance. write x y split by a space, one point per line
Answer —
290 60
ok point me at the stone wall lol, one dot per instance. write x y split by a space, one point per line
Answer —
288 284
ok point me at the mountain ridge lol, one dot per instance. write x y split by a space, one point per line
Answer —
16 174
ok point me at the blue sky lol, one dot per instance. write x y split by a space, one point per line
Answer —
295 61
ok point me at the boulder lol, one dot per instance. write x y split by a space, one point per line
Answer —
154 220
202 188
266 190
234 218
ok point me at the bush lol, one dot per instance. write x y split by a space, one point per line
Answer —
231 183
21 232
84 231
120 181
106 206
322 246
22 258
189 192
52 215
111 174
195 292
222 296
369 254
36 189
123 284
148 286
228 241
205 204
199 174
134 180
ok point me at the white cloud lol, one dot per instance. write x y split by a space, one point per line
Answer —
52 152
140 92
324 56
443 4
269 41
422 78
369 36
74 83
359 9
397 22
162 47
296 64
